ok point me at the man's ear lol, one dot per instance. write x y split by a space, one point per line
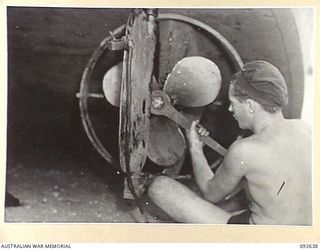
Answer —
252 106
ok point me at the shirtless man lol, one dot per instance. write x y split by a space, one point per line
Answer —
274 164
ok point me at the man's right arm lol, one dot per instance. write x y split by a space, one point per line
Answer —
217 186
201 169
229 174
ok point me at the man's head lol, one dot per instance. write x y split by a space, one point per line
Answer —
258 85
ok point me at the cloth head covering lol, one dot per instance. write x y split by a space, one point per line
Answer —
263 82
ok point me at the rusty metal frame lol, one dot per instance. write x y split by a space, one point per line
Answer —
84 94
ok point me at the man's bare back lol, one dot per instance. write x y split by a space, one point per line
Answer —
278 174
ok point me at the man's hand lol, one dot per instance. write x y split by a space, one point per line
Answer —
193 134
201 169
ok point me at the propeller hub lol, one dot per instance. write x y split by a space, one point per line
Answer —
157 102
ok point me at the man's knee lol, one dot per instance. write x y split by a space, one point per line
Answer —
159 187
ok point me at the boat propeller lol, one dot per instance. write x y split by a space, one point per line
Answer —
193 82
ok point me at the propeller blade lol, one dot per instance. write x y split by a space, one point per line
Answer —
111 84
166 144
194 82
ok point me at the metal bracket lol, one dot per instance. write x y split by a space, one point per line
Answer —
118 44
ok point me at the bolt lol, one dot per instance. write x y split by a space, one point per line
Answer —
113 37
157 102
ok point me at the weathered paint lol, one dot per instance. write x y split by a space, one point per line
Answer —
135 97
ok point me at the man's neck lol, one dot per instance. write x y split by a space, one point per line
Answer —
266 120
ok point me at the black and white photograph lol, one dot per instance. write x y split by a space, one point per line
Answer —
160 115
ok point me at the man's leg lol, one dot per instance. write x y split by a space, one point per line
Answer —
184 205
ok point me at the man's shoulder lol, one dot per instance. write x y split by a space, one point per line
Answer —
247 149
245 145
242 154
238 156
239 150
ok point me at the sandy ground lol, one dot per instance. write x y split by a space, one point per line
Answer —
67 195
81 195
